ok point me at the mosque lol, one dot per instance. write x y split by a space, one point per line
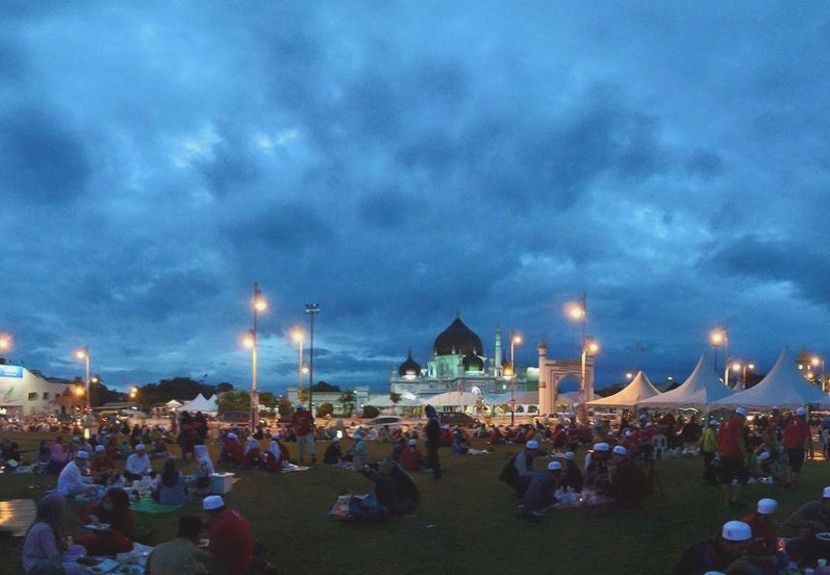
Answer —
458 363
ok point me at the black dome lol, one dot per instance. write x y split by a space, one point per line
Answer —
472 362
459 338
409 366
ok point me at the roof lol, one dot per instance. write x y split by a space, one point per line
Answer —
452 398
632 394
700 389
457 338
409 366
783 386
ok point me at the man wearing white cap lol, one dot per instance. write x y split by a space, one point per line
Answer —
231 538
137 465
764 539
573 476
539 493
597 474
71 481
519 470
303 423
726 554
797 436
809 519
733 455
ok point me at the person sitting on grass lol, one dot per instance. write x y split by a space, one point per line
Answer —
806 521
231 538
138 464
234 452
205 469
410 459
101 466
629 485
359 453
724 554
251 455
539 495
181 555
276 456
394 487
519 469
58 456
459 443
171 488
597 473
764 539
124 450
573 476
333 455
160 449
72 482
114 510
45 550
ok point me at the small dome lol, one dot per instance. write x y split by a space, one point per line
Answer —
409 367
473 362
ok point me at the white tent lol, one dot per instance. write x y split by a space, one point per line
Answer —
783 386
173 405
200 403
700 389
452 398
382 401
631 395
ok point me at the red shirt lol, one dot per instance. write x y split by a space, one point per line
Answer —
232 542
729 434
409 459
764 540
796 433
303 422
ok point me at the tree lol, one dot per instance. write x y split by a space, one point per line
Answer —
224 387
268 399
346 401
395 397
370 411
234 401
325 409
284 408
323 386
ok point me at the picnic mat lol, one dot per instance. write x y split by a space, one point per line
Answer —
16 516
149 505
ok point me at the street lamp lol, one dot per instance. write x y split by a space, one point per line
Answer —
629 375
589 347
311 309
83 355
5 342
720 337
515 339
258 304
818 361
133 392
298 335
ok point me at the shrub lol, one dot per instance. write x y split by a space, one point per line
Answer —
370 411
325 409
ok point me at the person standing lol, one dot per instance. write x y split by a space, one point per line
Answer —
797 436
709 448
303 424
433 442
733 455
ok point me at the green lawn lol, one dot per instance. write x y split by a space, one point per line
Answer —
466 524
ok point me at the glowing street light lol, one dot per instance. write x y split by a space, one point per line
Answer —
298 335
5 342
590 346
133 392
82 354
629 375
817 361
720 337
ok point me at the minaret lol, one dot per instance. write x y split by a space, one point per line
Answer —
497 359
547 404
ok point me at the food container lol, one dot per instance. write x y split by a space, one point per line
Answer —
221 483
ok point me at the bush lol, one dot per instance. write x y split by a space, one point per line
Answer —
370 411
285 408
325 409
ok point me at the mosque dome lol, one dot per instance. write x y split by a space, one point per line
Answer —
473 362
457 338
409 367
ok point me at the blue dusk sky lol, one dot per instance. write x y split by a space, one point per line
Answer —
399 162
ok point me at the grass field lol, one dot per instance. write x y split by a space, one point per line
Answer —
466 523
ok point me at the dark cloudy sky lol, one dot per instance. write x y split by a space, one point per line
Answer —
397 162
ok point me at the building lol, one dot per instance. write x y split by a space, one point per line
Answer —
458 363
361 397
24 393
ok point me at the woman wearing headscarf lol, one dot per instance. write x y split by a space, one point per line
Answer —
171 488
114 510
276 456
205 469
251 453
45 549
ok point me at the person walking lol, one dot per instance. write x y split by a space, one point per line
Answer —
433 441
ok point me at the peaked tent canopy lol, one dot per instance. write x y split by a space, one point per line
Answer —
452 398
200 403
783 386
700 389
631 395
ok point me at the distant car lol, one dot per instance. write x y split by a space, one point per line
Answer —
392 422
460 419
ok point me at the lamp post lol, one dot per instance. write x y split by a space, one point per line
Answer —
578 311
720 337
311 309
515 339
298 335
83 354
817 361
258 304
589 346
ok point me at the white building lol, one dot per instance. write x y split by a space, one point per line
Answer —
24 393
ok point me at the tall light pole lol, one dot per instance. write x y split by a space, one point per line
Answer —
298 335
515 339
311 309
720 337
817 361
258 304
589 346
83 354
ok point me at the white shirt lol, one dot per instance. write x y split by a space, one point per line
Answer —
138 465
71 482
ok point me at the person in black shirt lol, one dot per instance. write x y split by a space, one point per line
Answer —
727 553
433 442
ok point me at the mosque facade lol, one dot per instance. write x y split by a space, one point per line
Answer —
458 363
